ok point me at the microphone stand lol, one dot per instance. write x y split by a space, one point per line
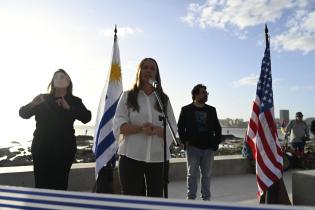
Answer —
165 120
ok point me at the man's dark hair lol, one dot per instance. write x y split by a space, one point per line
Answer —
195 91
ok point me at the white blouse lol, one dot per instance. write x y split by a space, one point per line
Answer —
139 146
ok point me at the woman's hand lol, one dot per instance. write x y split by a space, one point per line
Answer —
37 100
158 131
152 130
147 128
63 103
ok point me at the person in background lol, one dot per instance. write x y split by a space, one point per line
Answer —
54 143
200 131
298 132
137 122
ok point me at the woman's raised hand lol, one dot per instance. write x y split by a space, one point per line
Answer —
63 103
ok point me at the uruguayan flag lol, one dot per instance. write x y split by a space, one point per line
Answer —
105 146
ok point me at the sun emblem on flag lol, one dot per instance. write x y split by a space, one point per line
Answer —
115 72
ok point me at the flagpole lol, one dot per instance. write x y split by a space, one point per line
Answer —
115 35
266 36
163 118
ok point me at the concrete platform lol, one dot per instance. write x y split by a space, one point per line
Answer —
232 189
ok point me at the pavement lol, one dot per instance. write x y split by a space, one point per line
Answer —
237 188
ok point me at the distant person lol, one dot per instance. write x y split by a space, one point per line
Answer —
137 121
54 143
200 131
298 132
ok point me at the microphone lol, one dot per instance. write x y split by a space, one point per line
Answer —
154 83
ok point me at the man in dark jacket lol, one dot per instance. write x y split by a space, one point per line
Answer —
313 127
200 131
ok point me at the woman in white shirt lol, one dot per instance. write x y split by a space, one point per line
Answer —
141 133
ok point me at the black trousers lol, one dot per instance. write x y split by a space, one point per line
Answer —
104 182
134 175
52 173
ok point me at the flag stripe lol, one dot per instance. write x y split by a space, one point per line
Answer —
272 135
271 124
266 170
108 115
266 148
252 145
256 108
275 136
267 161
265 144
253 128
263 178
253 121
261 185
105 143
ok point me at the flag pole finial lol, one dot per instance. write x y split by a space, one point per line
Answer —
115 31
266 35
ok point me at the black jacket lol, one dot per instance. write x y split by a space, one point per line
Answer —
54 133
188 128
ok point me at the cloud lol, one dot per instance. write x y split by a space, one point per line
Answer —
122 32
238 16
245 81
303 88
252 80
300 33
236 13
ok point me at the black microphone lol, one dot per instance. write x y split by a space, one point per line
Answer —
154 83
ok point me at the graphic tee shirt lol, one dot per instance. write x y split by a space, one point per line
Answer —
203 132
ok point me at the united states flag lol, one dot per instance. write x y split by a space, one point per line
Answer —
262 134
105 145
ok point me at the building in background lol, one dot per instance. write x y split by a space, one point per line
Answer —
284 118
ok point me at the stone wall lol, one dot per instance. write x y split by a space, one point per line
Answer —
303 187
82 176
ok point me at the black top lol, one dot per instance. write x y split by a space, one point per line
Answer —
313 127
54 124
199 127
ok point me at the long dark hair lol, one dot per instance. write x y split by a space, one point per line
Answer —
51 88
132 101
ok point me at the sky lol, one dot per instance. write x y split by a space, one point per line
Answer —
219 43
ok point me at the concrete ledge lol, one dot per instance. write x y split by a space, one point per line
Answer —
223 165
82 176
231 165
303 191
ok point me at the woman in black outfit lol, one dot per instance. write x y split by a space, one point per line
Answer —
54 143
